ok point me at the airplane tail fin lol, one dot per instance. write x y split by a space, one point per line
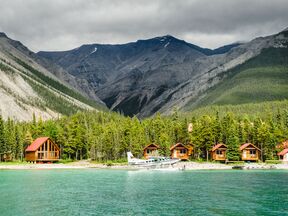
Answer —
129 156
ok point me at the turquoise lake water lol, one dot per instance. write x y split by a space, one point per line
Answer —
122 192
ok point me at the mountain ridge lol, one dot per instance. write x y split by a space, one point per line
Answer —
152 75
26 87
260 79
104 65
205 50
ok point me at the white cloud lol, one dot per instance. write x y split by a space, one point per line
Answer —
66 24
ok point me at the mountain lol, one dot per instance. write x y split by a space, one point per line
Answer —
128 77
259 79
262 78
103 63
27 87
158 74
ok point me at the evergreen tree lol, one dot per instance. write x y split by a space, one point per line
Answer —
232 142
18 143
10 138
28 139
2 137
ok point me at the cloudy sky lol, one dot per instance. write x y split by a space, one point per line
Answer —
66 24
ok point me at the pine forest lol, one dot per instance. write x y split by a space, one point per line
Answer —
107 136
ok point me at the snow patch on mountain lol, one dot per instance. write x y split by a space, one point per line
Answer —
166 44
95 49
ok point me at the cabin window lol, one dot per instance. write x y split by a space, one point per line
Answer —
253 152
149 151
183 151
40 155
219 152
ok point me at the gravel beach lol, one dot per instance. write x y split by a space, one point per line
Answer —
180 166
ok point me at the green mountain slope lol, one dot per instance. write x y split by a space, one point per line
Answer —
263 78
251 110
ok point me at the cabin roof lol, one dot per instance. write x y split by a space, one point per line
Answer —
36 144
151 145
189 145
242 147
178 144
283 152
218 146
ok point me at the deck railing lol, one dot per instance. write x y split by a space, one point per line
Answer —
221 156
47 155
252 155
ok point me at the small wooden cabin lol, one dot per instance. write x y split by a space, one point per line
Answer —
218 152
6 156
150 150
283 155
249 152
43 149
181 151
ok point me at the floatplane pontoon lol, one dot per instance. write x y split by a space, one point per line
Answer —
151 162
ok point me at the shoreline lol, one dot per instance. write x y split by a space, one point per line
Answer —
179 166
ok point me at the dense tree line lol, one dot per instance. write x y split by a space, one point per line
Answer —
106 136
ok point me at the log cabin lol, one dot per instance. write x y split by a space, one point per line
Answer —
43 149
283 155
249 152
181 151
218 152
151 150
6 156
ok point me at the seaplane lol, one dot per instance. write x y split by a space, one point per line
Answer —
151 161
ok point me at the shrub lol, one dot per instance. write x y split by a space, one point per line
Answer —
273 161
109 163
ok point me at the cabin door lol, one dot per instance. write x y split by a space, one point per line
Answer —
174 153
244 154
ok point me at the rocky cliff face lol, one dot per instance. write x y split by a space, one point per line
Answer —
27 87
155 75
55 71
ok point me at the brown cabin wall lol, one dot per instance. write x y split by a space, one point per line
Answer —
249 157
190 150
30 156
218 157
153 152
175 153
